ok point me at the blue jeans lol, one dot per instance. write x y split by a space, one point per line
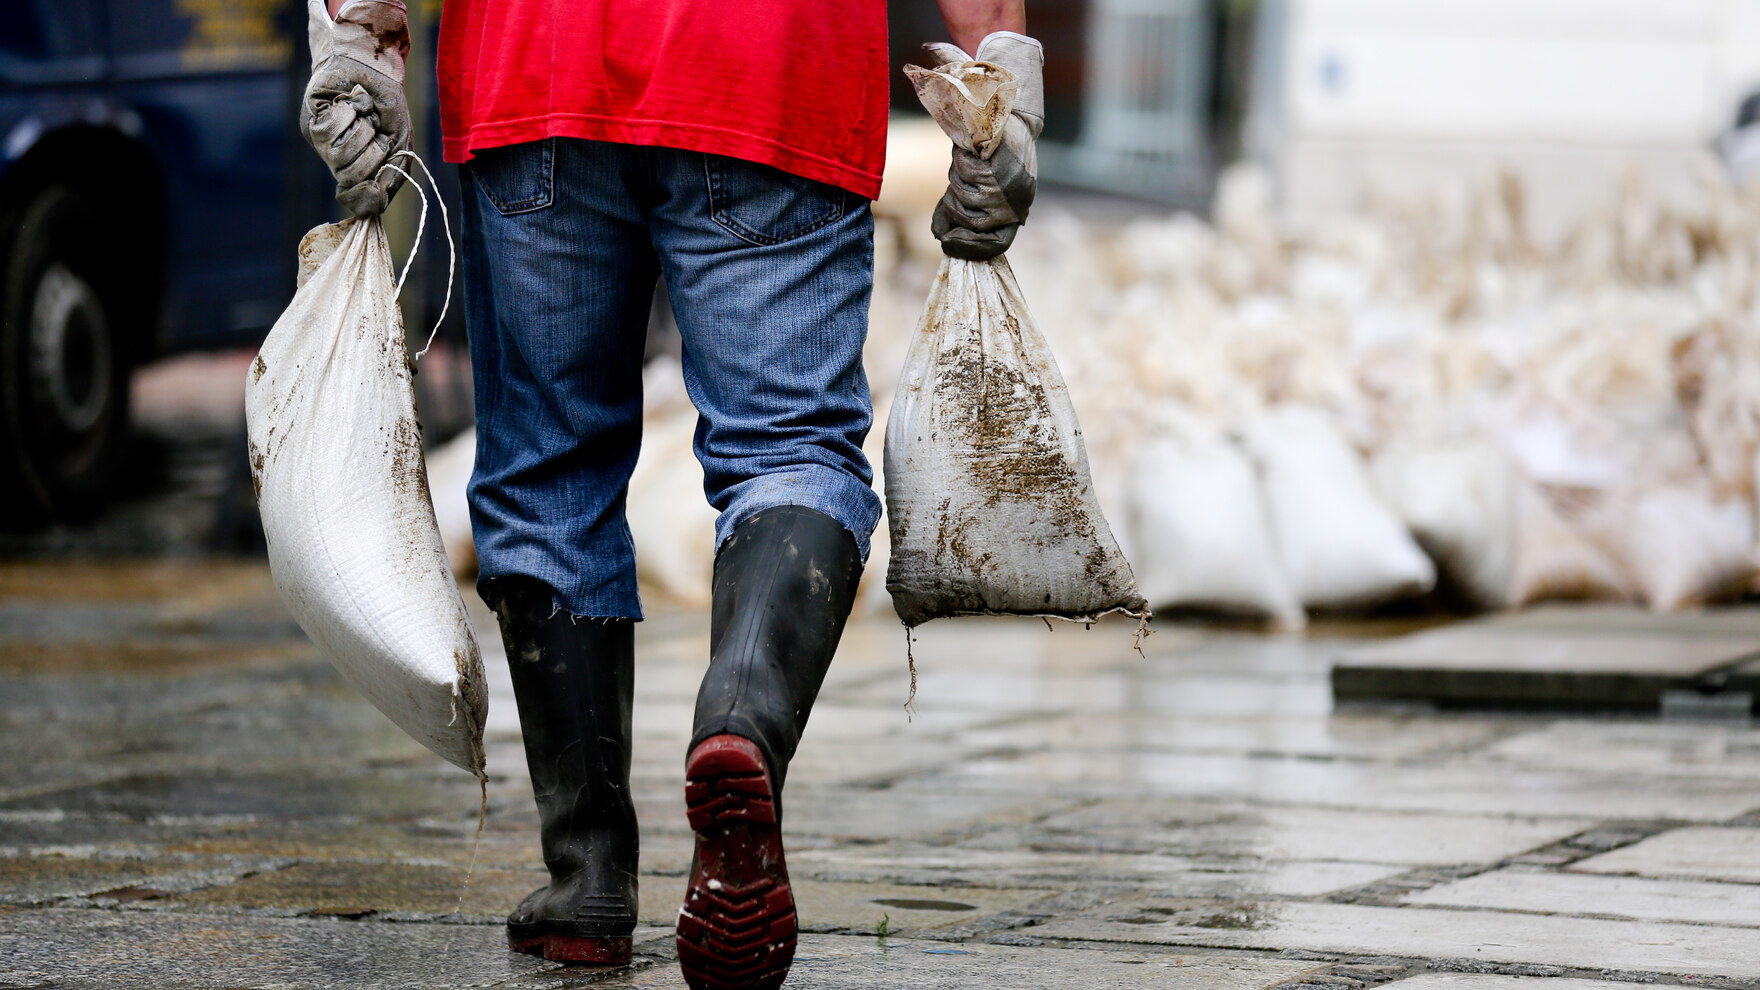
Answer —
769 276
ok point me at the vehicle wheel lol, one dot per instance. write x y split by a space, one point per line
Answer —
64 356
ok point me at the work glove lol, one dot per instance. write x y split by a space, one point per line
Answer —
354 112
988 195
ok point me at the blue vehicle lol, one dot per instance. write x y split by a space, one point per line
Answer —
152 187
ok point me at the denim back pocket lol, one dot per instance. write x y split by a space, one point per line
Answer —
766 205
518 178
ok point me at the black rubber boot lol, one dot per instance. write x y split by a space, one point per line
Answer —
784 585
573 679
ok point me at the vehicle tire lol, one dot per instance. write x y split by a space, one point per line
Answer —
65 357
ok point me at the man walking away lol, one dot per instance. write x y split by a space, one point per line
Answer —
730 147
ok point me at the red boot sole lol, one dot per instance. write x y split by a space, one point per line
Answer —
575 949
737 927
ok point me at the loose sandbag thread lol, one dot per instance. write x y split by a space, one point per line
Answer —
1086 621
476 846
421 224
911 659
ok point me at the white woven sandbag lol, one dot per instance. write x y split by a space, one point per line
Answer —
1680 544
449 476
1200 534
672 525
1341 546
1459 501
872 598
1490 529
988 492
1555 559
336 454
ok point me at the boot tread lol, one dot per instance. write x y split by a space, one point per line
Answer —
738 926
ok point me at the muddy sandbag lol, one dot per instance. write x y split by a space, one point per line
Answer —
991 504
336 455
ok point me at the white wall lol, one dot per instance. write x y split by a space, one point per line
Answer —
1400 95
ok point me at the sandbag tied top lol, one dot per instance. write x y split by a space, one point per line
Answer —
970 100
990 504
336 456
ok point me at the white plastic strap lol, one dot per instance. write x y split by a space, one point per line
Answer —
421 224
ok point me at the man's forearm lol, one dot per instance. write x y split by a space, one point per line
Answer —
968 21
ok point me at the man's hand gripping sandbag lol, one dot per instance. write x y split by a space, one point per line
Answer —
987 488
336 455
354 112
992 182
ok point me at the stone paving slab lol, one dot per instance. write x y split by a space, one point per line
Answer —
352 889
358 889
96 950
1496 981
1431 933
1351 735
1459 786
1639 898
1734 620
429 844
1260 833
829 906
275 794
1703 852
46 879
1647 748
872 762
830 962
862 907
910 809
1488 664
910 863
1168 689
93 950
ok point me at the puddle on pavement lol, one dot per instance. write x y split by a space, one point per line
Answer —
922 904
1223 915
207 580
166 797
354 890
150 659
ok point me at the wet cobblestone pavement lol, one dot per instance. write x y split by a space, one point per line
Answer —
192 798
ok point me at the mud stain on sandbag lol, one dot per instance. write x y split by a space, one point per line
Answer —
1012 454
408 468
256 456
469 664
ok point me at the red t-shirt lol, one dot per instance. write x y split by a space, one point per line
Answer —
798 84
